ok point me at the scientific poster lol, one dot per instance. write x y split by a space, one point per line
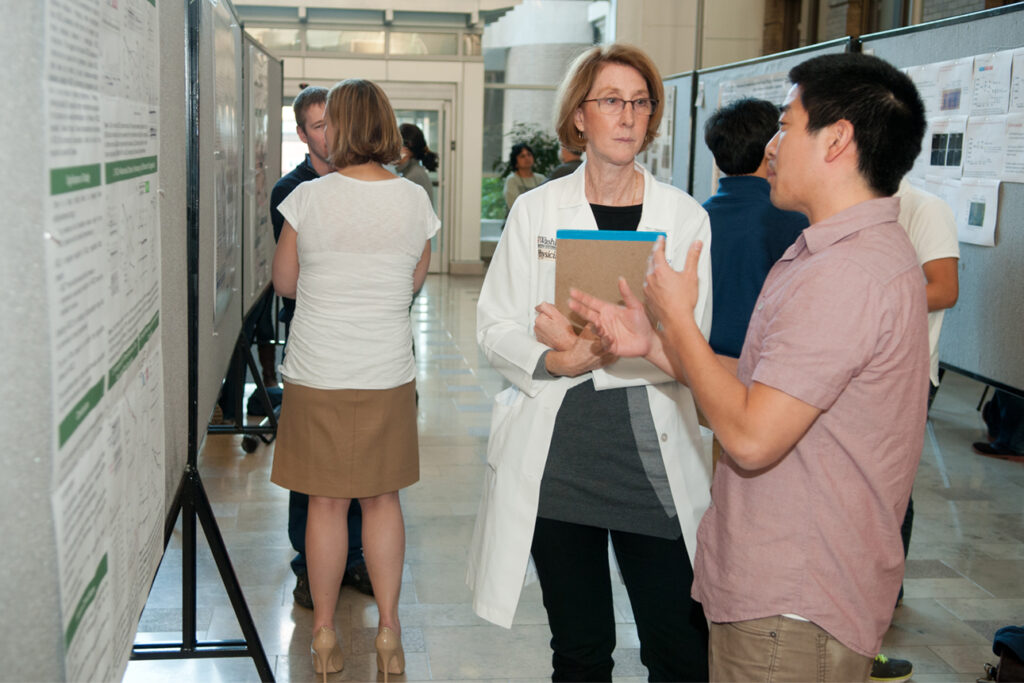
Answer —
976 209
102 236
261 240
1013 149
990 89
943 146
985 148
953 87
657 158
227 171
1016 104
772 87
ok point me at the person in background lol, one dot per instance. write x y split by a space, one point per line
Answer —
416 158
308 108
931 227
521 177
822 418
354 249
748 234
571 160
585 447
1004 419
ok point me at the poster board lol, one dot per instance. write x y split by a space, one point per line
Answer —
981 335
94 196
262 91
764 77
682 124
219 164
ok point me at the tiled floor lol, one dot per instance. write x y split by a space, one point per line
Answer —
964 576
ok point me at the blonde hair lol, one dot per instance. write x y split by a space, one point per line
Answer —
580 79
363 125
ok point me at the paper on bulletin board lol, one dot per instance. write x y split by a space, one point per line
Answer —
984 148
593 260
976 210
1017 82
947 189
990 87
1013 149
926 78
953 86
944 144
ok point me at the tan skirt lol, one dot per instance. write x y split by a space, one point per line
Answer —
346 443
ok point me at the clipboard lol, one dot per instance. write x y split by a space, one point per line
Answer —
593 260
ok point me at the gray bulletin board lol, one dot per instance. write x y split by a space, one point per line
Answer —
682 140
982 334
742 79
262 91
220 205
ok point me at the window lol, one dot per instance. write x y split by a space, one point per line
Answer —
409 43
278 39
345 42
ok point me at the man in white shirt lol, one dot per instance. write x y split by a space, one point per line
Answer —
931 227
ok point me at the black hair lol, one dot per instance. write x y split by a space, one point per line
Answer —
737 133
412 137
878 99
516 149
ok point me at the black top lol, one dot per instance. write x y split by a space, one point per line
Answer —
283 188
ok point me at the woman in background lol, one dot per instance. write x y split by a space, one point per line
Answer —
585 446
522 178
354 248
416 158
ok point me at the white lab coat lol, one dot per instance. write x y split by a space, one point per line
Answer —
523 417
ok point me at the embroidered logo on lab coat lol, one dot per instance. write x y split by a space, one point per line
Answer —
546 247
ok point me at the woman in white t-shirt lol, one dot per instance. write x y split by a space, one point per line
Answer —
354 249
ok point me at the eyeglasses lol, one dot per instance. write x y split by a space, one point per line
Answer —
643 106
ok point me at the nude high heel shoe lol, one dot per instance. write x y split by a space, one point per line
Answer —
327 658
390 656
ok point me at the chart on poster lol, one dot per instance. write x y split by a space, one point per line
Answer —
102 236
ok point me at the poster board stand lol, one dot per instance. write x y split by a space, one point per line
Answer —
190 499
192 502
241 360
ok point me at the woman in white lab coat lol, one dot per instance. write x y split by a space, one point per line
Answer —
583 445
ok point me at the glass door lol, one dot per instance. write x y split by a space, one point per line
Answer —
432 118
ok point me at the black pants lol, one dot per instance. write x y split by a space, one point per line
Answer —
572 563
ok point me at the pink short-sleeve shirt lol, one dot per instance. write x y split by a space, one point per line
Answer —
840 324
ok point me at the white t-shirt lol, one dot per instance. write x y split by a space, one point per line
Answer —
931 227
358 244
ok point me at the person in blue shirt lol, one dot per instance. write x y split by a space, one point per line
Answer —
748 234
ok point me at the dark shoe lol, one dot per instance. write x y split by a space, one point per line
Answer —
983 448
254 407
301 592
885 669
357 577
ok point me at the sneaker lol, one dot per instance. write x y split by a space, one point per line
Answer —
885 669
995 450
301 592
357 577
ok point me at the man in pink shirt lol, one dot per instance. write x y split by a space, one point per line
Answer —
822 417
